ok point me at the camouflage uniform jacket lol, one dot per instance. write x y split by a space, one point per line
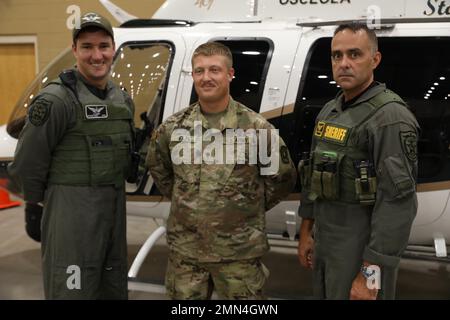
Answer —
218 210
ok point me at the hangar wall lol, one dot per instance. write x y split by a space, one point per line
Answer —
46 20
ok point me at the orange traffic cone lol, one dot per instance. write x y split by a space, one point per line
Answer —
5 201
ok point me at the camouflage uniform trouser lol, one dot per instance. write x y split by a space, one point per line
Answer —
241 279
84 249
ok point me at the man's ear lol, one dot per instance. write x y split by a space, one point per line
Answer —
230 74
376 60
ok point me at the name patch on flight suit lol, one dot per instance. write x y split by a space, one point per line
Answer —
331 132
93 111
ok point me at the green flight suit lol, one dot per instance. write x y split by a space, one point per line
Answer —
351 226
218 209
73 156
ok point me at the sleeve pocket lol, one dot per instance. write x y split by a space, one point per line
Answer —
402 183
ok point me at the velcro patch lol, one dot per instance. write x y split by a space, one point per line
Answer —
409 144
94 111
319 129
39 111
331 132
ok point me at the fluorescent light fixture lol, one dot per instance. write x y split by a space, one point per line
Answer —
322 76
251 53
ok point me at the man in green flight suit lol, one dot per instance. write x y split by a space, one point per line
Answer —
219 188
359 179
73 157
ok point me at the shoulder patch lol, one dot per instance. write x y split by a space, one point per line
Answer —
39 111
409 144
284 154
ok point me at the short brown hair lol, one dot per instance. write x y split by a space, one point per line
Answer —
211 49
356 26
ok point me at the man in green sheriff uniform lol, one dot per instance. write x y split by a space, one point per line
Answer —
359 180
73 156
216 227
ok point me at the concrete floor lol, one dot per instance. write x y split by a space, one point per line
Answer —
20 268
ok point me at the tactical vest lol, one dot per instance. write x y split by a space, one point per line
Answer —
339 169
96 150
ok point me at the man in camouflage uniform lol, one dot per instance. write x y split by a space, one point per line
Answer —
73 156
216 226
359 180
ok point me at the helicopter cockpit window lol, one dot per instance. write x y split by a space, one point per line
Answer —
418 69
64 60
251 59
141 70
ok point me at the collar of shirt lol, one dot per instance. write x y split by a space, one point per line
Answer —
99 93
229 119
372 90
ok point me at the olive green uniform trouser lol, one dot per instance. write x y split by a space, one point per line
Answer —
341 234
84 248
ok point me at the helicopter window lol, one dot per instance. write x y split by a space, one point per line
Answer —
251 60
418 69
140 69
64 60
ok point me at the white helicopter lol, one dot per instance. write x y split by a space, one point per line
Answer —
282 59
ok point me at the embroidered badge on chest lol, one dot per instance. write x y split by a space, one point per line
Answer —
96 111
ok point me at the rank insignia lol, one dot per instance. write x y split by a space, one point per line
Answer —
96 111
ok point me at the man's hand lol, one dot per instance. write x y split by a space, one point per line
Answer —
360 290
33 216
306 244
306 251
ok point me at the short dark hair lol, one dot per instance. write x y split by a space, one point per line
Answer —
211 49
356 26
